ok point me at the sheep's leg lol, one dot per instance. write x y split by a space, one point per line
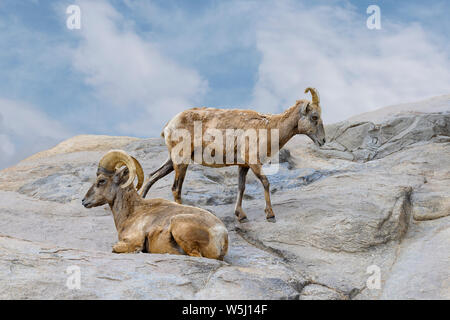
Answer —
180 173
128 246
192 238
160 173
240 214
162 241
270 216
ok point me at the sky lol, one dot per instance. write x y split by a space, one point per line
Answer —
133 65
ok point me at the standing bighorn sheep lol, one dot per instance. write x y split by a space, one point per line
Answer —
302 118
156 225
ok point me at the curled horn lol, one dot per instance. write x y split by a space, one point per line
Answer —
117 158
139 172
314 94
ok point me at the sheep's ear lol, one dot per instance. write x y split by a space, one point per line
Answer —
121 176
306 108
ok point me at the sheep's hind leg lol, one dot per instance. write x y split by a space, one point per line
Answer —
180 174
163 171
240 214
190 237
270 216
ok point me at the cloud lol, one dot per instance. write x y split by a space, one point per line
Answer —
7 148
155 74
355 69
134 65
24 130
130 74
297 45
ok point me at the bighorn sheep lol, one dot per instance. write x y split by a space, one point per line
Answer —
156 225
302 118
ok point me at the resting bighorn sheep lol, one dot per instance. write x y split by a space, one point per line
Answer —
156 225
302 118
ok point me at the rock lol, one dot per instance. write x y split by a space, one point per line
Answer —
433 105
374 196
285 157
84 143
367 141
431 200
422 267
319 292
33 266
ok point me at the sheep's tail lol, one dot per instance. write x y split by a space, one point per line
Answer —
162 133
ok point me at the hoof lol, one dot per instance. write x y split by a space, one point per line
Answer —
242 220
271 219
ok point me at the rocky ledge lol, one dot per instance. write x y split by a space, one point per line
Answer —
372 203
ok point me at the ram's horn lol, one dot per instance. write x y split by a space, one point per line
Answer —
139 171
140 174
314 94
117 158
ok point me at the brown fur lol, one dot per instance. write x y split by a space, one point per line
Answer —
157 225
298 119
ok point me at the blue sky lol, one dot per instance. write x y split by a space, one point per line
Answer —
135 64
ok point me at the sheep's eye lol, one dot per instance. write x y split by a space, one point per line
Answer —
101 182
315 118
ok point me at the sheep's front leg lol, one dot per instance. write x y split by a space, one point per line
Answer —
240 214
270 216
127 247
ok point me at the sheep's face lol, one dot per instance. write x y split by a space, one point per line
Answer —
105 188
310 123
